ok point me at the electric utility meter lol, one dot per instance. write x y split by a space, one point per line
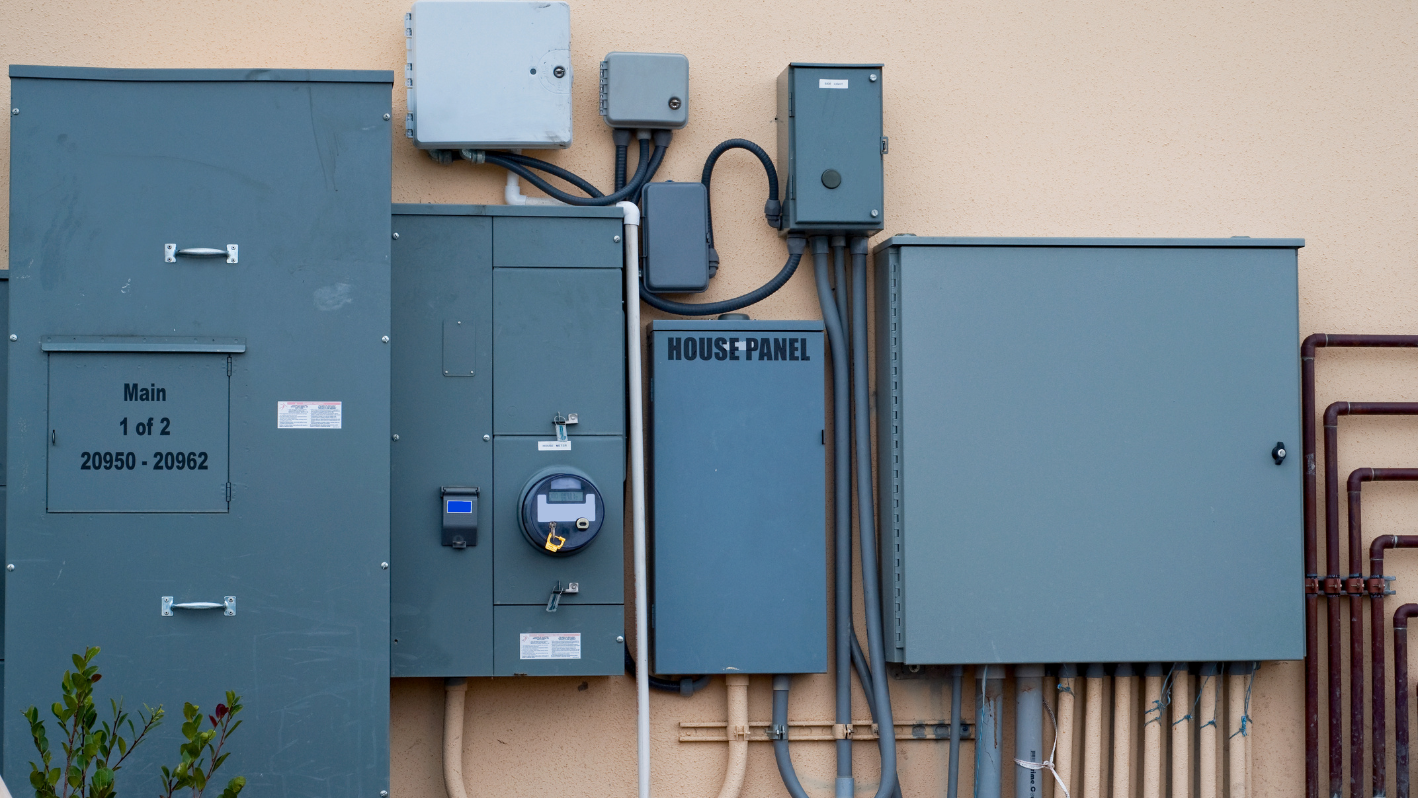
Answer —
562 511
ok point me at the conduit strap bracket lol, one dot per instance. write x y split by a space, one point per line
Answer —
737 732
1379 586
777 732
1333 586
842 731
1354 586
1312 586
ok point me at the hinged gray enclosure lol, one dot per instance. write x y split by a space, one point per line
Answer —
246 399
1075 444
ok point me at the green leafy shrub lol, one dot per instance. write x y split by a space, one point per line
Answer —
94 751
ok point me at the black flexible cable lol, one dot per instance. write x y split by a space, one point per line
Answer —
512 164
772 209
685 685
552 169
620 157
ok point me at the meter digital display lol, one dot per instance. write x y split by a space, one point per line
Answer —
561 513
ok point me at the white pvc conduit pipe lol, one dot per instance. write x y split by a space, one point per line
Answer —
637 494
454 699
736 686
512 193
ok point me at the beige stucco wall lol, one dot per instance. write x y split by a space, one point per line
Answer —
1225 118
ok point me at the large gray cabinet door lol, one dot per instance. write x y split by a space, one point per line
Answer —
108 167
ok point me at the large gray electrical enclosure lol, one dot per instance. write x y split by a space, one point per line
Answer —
738 481
506 318
830 146
1075 445
199 417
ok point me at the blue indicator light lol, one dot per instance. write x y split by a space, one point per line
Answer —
459 507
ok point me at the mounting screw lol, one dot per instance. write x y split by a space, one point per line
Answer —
620 638
1278 453
875 213
383 794
872 77
385 339
559 72
616 239
675 103
14 112
384 566
14 337
396 236
10 567
386 117
395 436
487 437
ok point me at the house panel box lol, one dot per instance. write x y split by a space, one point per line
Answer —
1064 419
737 488
293 168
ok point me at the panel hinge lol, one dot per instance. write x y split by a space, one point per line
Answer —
885 145
409 125
409 25
228 493
228 365
605 86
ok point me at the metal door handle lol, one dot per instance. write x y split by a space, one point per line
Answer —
228 604
170 253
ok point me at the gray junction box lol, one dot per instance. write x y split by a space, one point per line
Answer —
187 429
1075 440
738 497
506 318
830 145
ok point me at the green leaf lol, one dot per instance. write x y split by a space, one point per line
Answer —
103 777
122 746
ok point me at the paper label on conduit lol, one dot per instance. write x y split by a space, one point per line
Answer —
828 83
308 415
548 645
553 446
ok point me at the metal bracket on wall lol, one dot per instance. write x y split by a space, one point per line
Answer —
807 730
227 605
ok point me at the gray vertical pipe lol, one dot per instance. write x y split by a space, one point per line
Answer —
839 269
842 504
866 521
955 697
988 728
1028 728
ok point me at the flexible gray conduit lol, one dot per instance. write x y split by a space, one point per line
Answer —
781 684
866 521
842 498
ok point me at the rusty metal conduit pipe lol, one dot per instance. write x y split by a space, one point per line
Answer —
1336 587
1312 592
1400 694
1374 587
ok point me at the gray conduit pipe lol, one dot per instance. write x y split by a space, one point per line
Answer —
454 698
953 781
1028 728
839 270
781 685
988 728
866 521
842 504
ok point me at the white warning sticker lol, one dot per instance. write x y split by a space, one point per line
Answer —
550 645
829 83
553 446
308 415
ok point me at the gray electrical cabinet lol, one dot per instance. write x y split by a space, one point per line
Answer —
1075 443
830 145
507 320
199 426
738 503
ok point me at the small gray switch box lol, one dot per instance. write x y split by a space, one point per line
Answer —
675 230
494 74
645 90
830 144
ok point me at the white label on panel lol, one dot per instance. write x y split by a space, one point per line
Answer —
547 645
828 83
308 415
553 446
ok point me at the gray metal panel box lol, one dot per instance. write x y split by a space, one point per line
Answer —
538 294
294 168
645 90
738 479
1076 435
491 74
674 226
830 145
440 597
